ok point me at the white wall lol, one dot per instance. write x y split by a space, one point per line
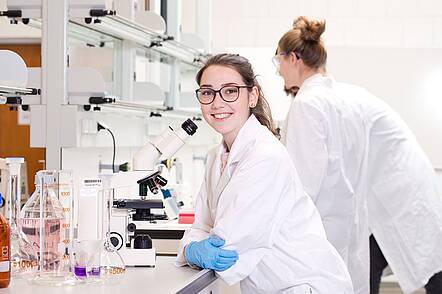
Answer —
368 23
391 47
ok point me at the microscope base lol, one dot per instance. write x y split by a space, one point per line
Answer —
139 257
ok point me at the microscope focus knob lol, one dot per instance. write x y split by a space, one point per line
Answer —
142 242
131 227
116 240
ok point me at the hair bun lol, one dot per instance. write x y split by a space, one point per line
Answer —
311 30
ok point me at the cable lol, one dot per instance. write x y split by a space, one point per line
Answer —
100 126
113 153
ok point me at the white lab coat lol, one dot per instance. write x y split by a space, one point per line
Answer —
404 203
257 205
356 158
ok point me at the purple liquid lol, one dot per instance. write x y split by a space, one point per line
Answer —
80 271
95 271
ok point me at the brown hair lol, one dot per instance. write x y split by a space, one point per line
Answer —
244 68
305 40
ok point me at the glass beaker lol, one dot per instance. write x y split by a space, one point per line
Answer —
86 260
23 261
66 198
112 267
42 221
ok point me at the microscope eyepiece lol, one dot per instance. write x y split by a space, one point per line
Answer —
189 127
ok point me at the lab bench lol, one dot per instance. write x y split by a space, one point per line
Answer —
163 279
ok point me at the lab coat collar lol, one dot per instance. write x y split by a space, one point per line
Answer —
245 136
318 79
243 141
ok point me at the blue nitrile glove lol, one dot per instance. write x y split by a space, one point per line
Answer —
208 254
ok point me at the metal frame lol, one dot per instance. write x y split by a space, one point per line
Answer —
173 20
17 91
143 109
203 22
202 281
54 74
127 62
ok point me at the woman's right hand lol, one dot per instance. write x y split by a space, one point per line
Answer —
208 254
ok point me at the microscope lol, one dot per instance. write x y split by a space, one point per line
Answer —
131 217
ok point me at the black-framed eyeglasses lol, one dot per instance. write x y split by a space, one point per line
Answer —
227 93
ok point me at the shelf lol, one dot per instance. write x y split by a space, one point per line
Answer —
142 110
152 108
82 33
14 91
116 28
124 29
13 95
115 103
157 57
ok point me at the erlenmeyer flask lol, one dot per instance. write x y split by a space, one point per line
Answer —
23 258
42 220
112 267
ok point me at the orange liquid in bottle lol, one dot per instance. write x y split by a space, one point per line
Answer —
5 238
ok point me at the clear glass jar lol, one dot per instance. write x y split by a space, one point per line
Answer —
42 221
22 254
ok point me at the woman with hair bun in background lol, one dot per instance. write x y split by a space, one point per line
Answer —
363 168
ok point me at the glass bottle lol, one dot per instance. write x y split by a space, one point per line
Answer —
21 251
5 269
42 220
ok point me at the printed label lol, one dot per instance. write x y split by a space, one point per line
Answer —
90 187
92 183
4 266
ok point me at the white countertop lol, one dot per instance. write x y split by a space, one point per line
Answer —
164 278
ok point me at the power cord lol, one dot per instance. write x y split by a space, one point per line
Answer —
101 126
